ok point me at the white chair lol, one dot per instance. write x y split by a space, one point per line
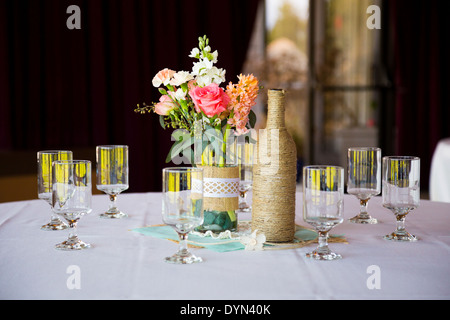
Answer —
440 172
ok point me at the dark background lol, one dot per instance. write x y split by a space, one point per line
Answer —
75 89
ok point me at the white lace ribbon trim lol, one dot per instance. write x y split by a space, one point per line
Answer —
221 187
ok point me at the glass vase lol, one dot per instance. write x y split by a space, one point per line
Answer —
215 154
221 199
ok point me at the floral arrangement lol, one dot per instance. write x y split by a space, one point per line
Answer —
195 103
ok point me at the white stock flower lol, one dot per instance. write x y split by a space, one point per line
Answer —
207 49
219 75
195 53
180 78
178 95
202 67
208 54
215 54
254 241
208 76
203 81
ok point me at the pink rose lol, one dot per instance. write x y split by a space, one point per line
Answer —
210 99
163 77
165 105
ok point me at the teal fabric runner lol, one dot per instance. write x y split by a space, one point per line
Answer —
302 235
167 232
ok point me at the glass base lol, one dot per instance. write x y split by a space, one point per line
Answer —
321 254
113 215
72 243
366 219
187 258
401 237
54 225
244 210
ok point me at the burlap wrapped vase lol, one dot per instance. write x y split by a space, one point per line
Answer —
220 198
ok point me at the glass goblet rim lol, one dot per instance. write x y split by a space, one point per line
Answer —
322 167
401 158
364 149
182 169
111 146
55 152
70 161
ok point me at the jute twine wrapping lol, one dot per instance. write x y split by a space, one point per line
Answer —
274 182
221 203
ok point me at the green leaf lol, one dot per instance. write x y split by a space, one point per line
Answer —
252 119
250 140
161 122
183 104
224 122
183 141
216 141
169 155
162 91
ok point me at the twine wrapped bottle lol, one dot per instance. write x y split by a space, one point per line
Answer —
274 175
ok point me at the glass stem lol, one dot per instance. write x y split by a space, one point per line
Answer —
363 207
323 242
242 200
183 248
112 203
55 219
72 229
401 223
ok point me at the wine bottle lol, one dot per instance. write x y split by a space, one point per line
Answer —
274 175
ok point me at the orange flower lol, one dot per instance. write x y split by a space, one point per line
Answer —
242 99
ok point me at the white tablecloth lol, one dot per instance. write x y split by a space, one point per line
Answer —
127 265
440 172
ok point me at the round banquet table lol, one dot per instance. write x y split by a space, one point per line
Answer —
123 264
440 172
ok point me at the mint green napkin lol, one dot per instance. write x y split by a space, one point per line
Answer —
218 245
224 245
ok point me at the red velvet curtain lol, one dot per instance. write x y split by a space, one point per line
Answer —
421 36
62 88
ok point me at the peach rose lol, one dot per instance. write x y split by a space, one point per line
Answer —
165 105
211 99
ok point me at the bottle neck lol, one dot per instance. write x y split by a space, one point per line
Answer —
276 110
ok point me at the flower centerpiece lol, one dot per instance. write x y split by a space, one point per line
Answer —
206 119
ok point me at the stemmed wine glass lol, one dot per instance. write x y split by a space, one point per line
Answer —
401 191
112 176
364 179
44 178
323 201
245 157
182 207
72 197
